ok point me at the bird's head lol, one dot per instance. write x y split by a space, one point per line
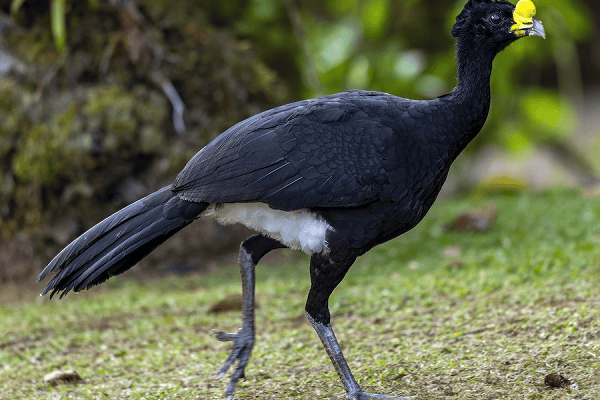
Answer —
497 22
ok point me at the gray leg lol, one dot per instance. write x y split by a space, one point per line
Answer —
251 251
325 276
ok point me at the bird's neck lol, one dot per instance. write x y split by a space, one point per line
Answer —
470 99
474 69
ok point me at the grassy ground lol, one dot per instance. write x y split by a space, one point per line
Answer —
517 303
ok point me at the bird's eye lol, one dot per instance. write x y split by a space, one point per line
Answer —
495 18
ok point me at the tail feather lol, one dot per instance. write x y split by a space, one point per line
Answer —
119 242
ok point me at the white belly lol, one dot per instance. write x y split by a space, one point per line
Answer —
298 229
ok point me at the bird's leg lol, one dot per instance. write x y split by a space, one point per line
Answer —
251 251
243 340
325 276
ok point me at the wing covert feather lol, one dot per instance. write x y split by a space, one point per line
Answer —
327 152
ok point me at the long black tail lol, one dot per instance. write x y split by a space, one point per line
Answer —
120 241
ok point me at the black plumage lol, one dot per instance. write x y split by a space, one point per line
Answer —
333 176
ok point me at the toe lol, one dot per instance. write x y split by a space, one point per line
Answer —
232 357
224 336
369 396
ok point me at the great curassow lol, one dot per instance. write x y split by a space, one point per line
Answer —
333 176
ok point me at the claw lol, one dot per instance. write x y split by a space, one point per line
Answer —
234 379
226 337
243 342
367 396
223 336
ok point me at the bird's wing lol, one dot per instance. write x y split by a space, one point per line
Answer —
335 151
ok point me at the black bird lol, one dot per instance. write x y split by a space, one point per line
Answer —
333 176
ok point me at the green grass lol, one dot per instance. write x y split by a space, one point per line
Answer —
525 302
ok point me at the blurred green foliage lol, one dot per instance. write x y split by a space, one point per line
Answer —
66 111
405 48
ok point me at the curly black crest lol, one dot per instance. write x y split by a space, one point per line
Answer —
474 11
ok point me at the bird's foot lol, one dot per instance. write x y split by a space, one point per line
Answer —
243 341
368 396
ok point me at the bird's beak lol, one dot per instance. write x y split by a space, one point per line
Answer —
537 29
525 24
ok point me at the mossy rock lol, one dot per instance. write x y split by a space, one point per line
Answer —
78 130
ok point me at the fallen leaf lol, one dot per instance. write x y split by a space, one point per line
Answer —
455 264
556 380
478 219
232 302
62 377
399 376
